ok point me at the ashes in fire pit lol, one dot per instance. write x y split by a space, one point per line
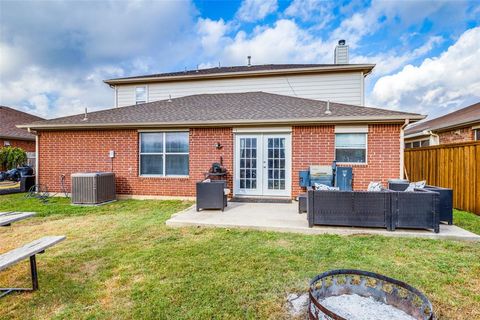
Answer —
358 295
355 307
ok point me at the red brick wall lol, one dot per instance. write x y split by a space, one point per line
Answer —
455 136
66 152
315 145
26 145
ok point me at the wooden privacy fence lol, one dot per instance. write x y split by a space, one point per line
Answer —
455 166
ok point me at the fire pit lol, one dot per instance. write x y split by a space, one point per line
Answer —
364 287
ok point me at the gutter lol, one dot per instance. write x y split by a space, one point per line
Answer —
365 68
213 123
18 138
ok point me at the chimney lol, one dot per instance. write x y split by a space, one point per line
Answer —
249 58
341 53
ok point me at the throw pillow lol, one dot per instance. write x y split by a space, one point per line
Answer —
375 186
416 185
321 186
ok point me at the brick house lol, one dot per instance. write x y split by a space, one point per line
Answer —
459 126
10 135
163 148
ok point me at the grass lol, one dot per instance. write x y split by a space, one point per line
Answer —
120 261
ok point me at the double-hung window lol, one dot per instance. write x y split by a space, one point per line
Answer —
351 147
164 153
140 94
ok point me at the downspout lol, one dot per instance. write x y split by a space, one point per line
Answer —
402 148
36 155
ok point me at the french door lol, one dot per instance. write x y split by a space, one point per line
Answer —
262 164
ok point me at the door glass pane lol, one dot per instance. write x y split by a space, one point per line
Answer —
248 163
276 163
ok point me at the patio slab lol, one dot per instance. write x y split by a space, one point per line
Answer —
283 217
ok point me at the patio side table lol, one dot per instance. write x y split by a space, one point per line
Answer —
302 203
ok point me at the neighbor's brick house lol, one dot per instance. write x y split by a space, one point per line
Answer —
10 135
290 134
459 126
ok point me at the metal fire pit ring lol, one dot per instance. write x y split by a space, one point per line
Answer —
366 284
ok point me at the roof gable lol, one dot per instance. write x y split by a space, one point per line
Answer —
9 118
465 116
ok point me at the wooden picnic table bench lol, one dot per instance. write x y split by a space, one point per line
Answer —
7 218
27 251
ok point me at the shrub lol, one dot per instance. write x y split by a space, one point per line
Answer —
12 157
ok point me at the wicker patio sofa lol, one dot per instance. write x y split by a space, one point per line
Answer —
383 209
445 200
349 208
416 210
211 195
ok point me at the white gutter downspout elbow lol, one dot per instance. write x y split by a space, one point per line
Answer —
434 138
402 149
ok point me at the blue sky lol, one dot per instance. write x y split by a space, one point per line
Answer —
54 55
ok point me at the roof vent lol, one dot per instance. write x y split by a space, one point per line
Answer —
341 53
249 58
85 117
328 112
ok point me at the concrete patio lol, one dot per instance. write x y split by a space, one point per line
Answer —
282 217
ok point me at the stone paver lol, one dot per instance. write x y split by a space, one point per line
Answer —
284 218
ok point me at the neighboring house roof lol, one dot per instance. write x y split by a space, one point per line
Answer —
243 71
456 119
222 109
9 118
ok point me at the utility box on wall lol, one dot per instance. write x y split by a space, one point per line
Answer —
93 188
343 178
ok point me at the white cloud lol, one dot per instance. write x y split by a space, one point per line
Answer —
212 35
284 42
438 84
55 55
390 61
37 91
254 10
311 10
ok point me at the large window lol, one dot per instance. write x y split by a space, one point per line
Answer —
164 153
140 94
351 147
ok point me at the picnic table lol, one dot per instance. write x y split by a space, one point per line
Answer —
28 251
7 218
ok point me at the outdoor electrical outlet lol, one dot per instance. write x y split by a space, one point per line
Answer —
111 154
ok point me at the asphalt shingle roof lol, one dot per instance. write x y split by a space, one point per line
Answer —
9 118
237 69
454 119
226 109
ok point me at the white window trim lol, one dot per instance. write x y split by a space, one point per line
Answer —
475 131
351 163
164 156
351 129
135 93
263 129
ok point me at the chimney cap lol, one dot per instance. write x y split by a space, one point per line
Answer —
341 42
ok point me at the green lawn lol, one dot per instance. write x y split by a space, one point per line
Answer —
120 261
